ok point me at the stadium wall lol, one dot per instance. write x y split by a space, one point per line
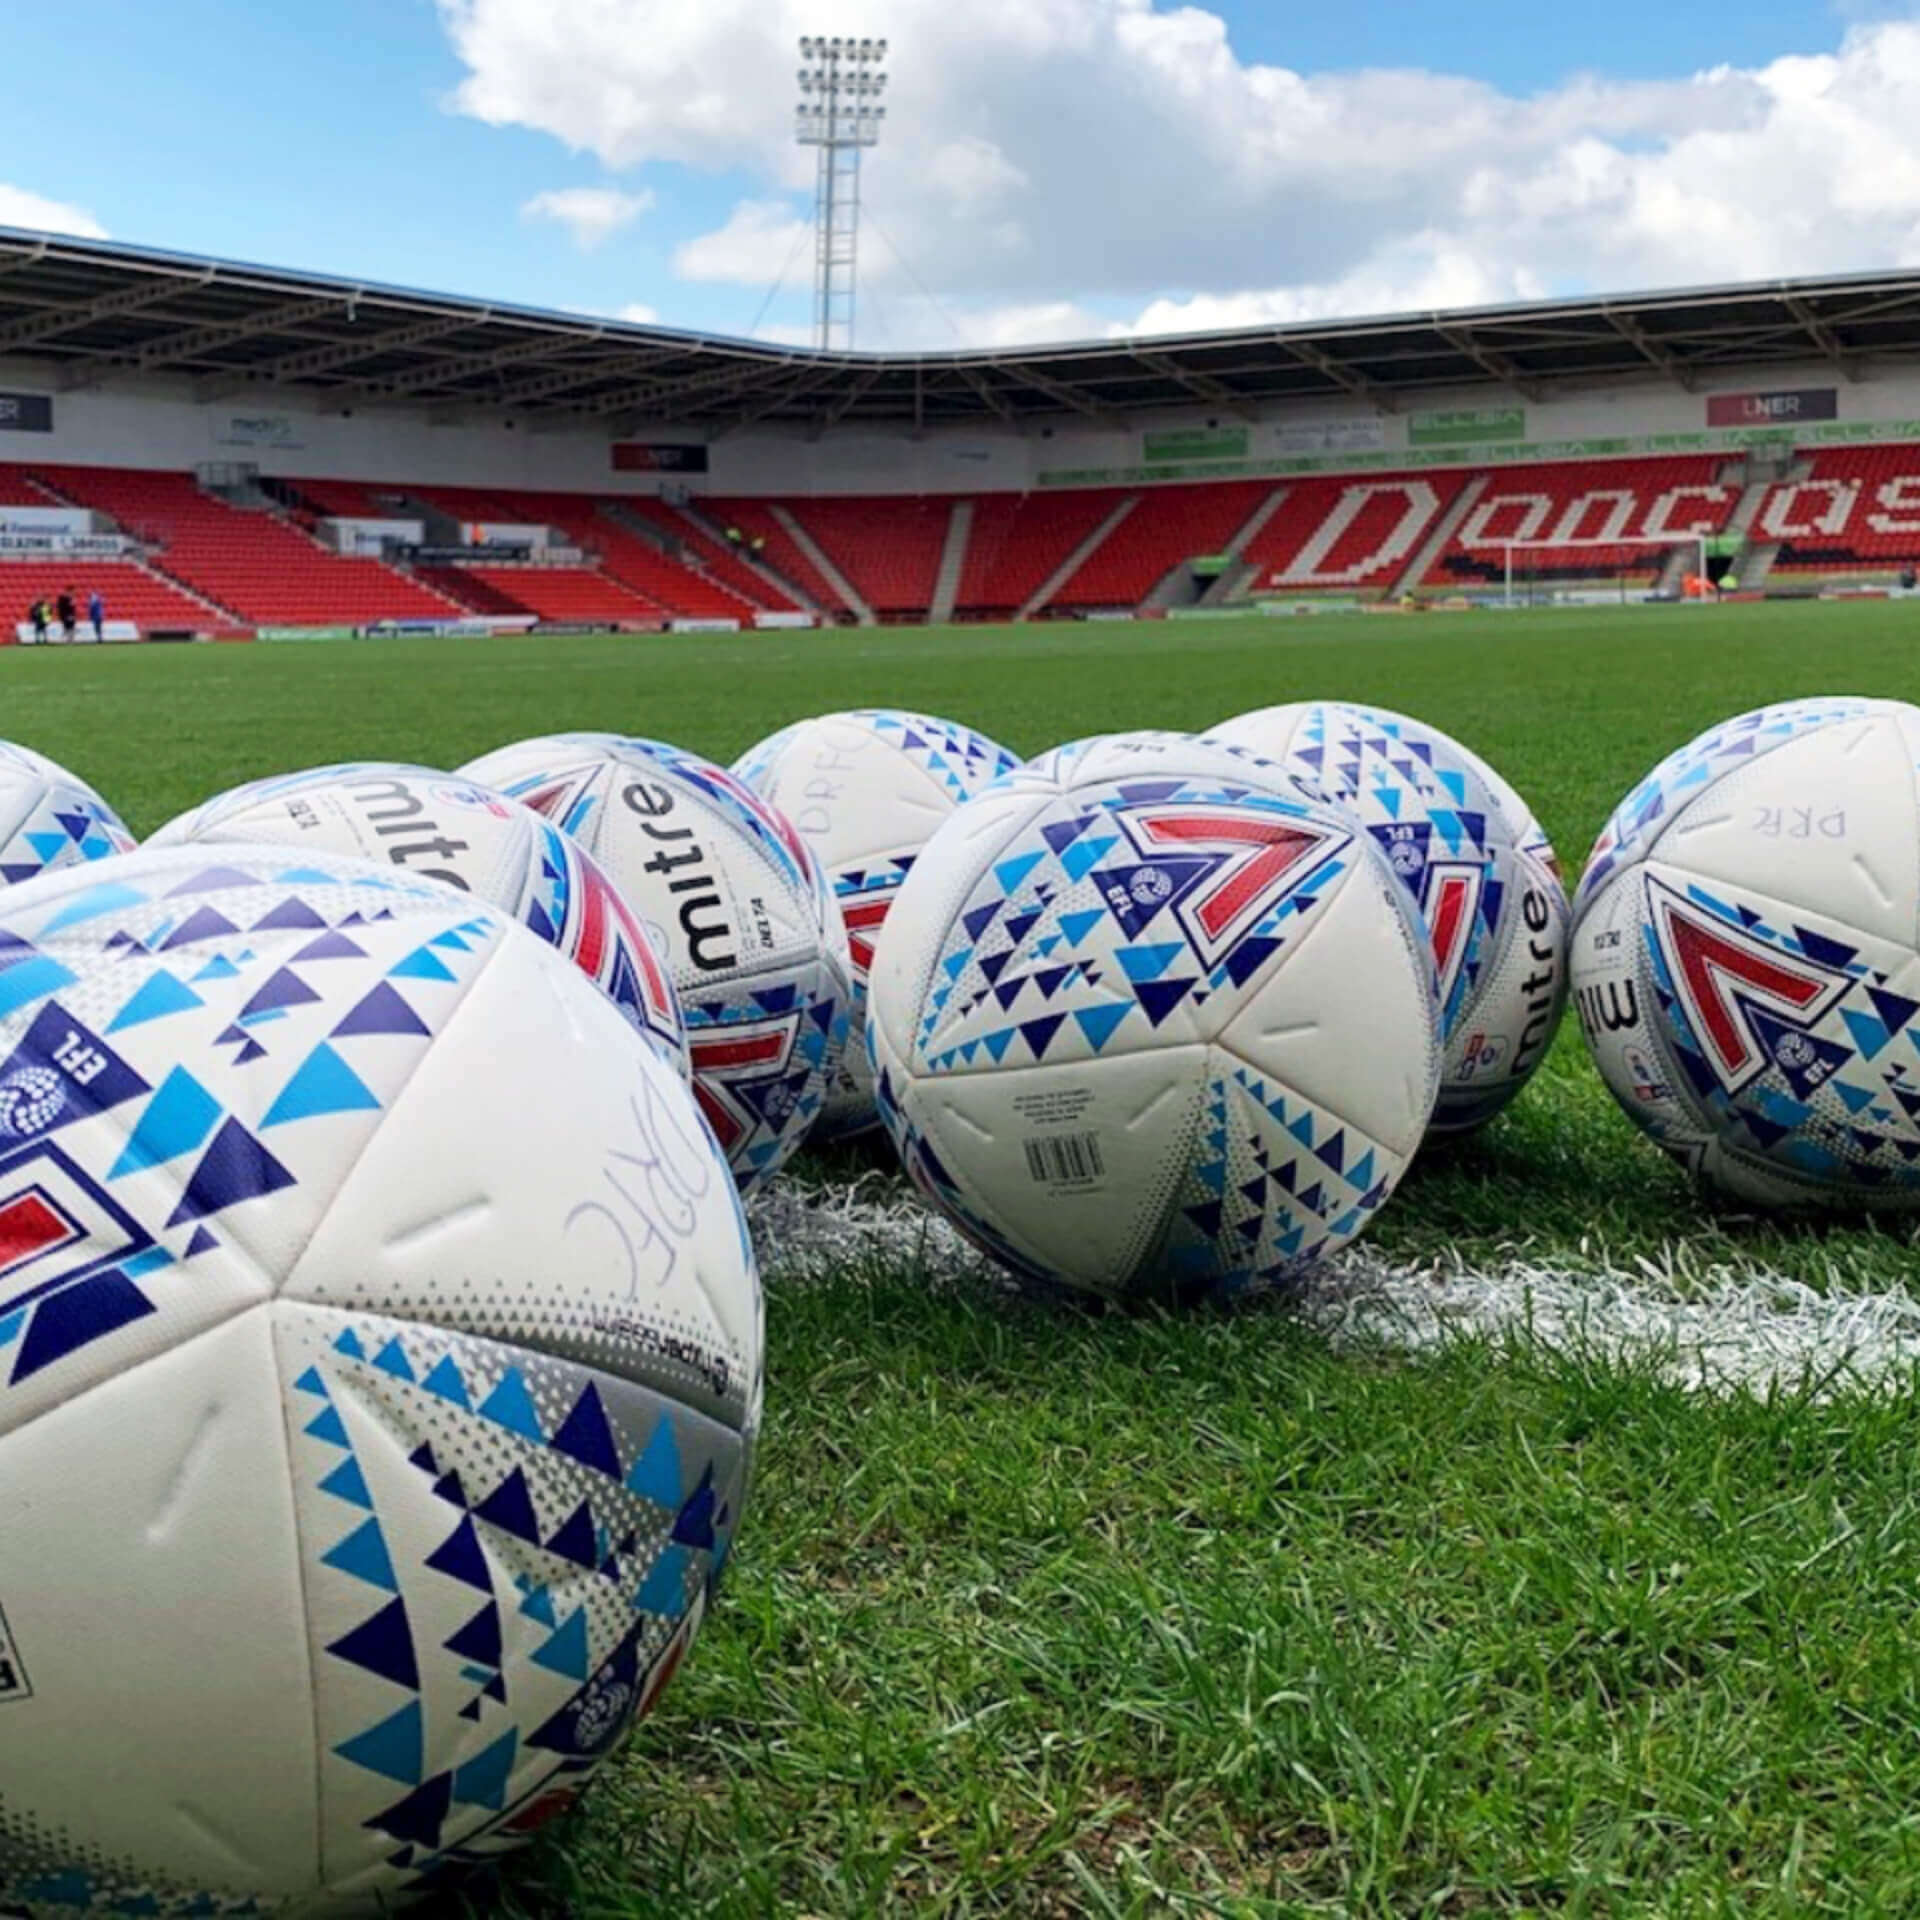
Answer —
157 423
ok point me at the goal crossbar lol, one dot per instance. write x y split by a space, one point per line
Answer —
1545 550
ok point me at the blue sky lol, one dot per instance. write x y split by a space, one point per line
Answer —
329 137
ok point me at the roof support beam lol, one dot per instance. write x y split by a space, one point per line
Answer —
1067 396
544 386
1489 362
805 381
995 400
1630 330
143 293
297 366
1342 375
198 340
437 373
1202 386
1824 337
31 258
657 401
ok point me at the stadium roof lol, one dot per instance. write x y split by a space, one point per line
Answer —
101 312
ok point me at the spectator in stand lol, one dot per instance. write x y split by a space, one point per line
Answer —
69 615
37 613
734 536
97 613
759 545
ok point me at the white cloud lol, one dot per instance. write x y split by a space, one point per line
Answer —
636 313
38 214
761 240
1051 158
591 214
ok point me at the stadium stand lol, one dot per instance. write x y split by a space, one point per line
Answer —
1019 541
248 562
615 555
1852 509
129 590
566 594
754 520
888 548
19 489
1169 526
1633 501
713 555
1349 533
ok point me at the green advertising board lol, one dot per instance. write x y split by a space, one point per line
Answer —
1467 427
1180 445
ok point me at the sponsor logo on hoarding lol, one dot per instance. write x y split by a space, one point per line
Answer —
1787 407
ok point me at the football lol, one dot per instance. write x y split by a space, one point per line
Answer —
1744 958
867 789
436 827
731 893
1157 1023
380 1367
50 818
1474 858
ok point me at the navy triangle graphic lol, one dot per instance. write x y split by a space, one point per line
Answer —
331 946
1207 1218
421 1815
1894 1009
383 1645
281 989
576 1540
204 923
449 1489
479 1639
382 1011
980 919
235 1167
586 1436
510 1508
1038 1034
461 1557
292 912
1816 946
1158 998
72 1318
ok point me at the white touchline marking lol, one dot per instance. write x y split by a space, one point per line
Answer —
1713 1330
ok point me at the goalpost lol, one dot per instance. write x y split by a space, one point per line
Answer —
1540 571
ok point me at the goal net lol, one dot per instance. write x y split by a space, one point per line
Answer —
1590 572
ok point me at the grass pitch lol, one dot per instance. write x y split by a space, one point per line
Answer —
1045 1612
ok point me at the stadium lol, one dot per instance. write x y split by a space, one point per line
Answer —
1543 1540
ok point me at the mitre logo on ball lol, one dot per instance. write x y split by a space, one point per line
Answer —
741 910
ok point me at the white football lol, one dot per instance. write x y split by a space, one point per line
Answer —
50 818
435 826
734 898
1474 858
1159 1024
867 790
380 1366
1744 954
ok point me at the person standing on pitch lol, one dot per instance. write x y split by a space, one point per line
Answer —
37 613
69 615
97 614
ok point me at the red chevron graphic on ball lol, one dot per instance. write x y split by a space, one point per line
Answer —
864 920
728 1062
606 916
1453 897
1261 850
1720 976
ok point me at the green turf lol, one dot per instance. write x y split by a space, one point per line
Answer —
1038 1612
